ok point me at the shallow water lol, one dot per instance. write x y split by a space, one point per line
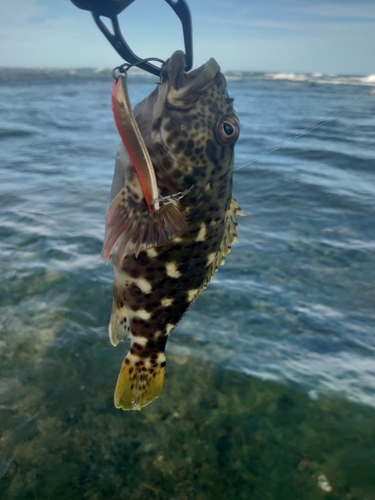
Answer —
270 388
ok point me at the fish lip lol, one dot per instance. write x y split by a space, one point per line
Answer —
185 88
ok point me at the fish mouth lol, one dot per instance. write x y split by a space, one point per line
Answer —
186 88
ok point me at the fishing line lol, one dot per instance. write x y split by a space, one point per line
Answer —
305 131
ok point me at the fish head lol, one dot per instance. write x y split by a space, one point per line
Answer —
192 125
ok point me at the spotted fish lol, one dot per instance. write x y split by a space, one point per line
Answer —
190 128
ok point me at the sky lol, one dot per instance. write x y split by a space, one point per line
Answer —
299 36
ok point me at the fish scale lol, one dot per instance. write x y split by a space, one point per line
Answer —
182 123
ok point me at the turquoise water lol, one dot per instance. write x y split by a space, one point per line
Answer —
270 387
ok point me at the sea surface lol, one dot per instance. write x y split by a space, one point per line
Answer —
270 387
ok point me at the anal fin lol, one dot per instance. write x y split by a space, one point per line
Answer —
119 324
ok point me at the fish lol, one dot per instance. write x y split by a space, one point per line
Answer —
190 127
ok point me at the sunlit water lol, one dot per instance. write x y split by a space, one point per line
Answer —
270 388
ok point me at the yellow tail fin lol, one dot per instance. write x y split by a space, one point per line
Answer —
140 381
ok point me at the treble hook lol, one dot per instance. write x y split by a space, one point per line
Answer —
112 8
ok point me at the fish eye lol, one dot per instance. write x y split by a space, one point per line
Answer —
228 129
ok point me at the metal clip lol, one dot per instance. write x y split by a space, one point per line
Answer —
124 68
111 9
167 200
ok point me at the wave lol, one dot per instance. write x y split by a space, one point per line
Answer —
46 75
307 78
9 132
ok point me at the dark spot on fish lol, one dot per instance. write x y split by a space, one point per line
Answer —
177 247
167 164
168 126
222 192
160 148
138 206
200 171
163 364
151 306
143 258
189 181
127 361
184 258
149 277
157 123
211 151
134 273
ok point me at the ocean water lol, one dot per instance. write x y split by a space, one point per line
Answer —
270 387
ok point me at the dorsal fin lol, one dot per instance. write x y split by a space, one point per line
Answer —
230 235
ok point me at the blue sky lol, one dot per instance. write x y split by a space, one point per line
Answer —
326 36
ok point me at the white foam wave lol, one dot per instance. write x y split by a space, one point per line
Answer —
368 79
316 78
287 76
